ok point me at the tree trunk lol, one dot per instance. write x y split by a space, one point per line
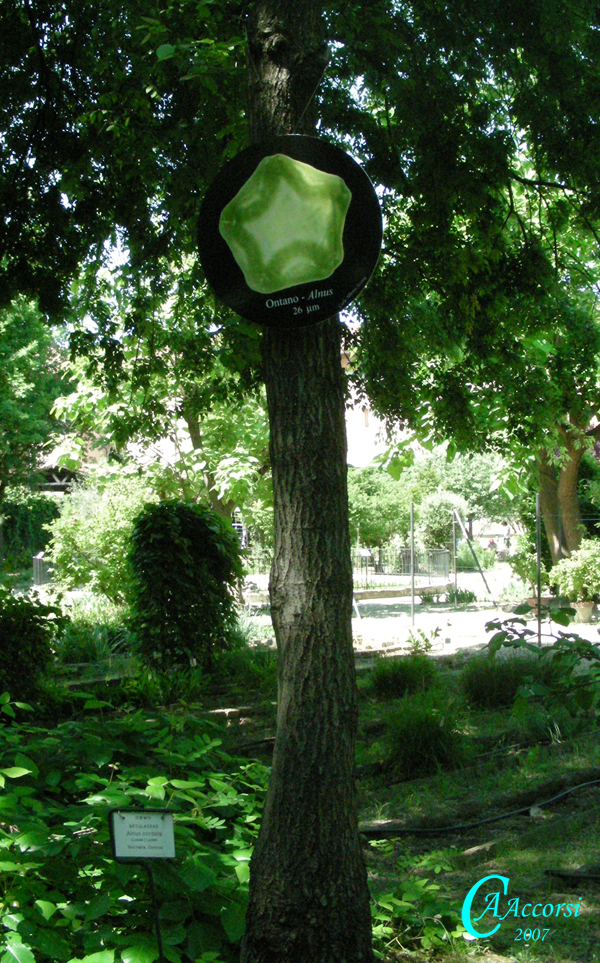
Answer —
309 900
308 890
559 501
224 509
548 486
568 499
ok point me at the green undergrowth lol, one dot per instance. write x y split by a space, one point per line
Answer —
526 847
393 678
441 743
63 896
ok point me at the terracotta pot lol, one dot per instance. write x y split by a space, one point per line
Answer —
584 611
544 605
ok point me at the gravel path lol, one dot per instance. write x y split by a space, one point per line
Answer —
386 625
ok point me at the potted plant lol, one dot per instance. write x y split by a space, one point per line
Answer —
524 563
578 577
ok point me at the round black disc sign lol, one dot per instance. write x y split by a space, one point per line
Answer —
289 231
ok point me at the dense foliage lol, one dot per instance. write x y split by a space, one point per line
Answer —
185 564
28 628
64 897
378 508
25 517
90 538
30 380
436 518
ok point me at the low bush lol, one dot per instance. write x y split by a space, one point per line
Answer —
532 721
460 596
490 683
91 642
242 669
64 897
465 561
436 513
393 678
148 688
423 736
28 631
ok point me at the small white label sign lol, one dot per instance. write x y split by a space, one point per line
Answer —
142 835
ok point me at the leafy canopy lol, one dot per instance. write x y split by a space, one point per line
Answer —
30 380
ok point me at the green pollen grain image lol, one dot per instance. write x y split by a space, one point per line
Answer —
285 225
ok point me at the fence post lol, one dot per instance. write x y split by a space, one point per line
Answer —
455 553
412 563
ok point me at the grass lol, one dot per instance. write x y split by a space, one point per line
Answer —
566 835
491 683
393 678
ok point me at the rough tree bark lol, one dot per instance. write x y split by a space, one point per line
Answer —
558 479
309 900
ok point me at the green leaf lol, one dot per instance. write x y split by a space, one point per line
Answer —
105 956
25 761
49 942
46 909
19 953
165 51
233 918
187 783
196 875
174 910
15 772
139 953
98 907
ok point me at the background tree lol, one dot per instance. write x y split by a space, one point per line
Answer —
378 509
492 211
436 514
196 434
30 380
89 539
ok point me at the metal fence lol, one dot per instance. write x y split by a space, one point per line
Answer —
429 562
369 564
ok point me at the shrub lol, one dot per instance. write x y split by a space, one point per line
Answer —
490 683
24 529
91 642
578 577
435 518
184 562
534 721
465 561
394 678
28 629
423 736
89 539
61 784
